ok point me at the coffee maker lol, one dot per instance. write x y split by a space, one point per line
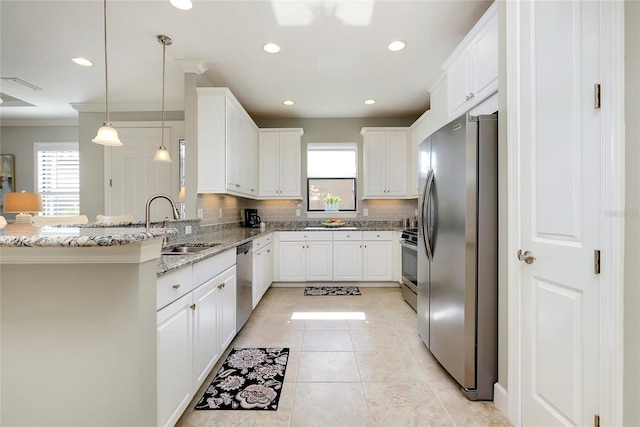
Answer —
251 218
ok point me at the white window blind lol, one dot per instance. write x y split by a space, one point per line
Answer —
58 177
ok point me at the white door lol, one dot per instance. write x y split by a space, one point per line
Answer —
347 261
319 261
561 206
227 283
396 158
206 339
134 176
290 163
269 163
292 261
377 260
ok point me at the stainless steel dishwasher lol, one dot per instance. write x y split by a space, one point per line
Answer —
244 285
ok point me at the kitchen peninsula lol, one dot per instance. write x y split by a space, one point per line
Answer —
78 323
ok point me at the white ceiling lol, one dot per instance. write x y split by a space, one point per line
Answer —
333 56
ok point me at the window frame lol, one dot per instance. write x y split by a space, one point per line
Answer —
355 195
54 146
333 146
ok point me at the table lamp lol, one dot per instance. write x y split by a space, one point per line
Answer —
23 204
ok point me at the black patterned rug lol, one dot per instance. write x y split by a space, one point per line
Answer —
250 378
331 290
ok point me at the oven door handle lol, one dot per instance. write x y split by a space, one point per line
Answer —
404 244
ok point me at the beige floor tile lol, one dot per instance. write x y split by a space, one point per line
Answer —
332 366
332 404
326 324
273 338
405 404
463 411
390 367
326 340
370 340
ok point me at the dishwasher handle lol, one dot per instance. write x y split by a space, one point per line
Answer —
244 248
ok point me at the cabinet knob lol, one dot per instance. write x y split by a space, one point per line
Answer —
221 286
269 251
238 185
176 286
348 235
192 306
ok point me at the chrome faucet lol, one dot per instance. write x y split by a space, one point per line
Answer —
147 221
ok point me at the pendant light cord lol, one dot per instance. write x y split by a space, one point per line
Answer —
106 68
164 48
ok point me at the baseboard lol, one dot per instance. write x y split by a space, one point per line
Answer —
500 399
360 284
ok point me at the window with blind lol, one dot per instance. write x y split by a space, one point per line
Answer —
331 175
58 177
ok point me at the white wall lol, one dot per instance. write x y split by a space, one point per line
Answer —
632 217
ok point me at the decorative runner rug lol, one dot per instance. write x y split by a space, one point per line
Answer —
331 290
250 378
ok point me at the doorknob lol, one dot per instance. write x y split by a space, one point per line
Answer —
526 257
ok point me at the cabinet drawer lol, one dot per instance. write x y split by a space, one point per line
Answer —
347 235
300 236
262 241
377 235
210 267
173 285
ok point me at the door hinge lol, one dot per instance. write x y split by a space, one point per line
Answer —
596 261
596 420
596 96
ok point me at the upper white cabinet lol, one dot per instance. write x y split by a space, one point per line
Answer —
280 163
227 145
472 69
385 162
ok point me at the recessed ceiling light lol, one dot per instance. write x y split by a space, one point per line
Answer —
370 101
181 4
271 48
396 45
288 102
82 61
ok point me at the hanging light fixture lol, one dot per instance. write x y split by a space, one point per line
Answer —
162 154
107 134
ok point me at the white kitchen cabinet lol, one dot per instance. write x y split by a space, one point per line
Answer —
193 330
262 267
419 130
472 69
439 105
280 164
385 162
175 360
305 256
377 258
347 256
227 145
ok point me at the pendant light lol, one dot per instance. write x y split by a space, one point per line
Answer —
107 134
162 155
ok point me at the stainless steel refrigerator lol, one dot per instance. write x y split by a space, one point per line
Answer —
458 251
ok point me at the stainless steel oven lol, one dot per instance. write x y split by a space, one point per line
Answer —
409 245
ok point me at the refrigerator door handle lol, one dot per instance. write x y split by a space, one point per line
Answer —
426 199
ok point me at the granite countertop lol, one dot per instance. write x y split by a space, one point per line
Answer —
26 235
228 239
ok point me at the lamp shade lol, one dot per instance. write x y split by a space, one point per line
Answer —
107 135
22 202
162 155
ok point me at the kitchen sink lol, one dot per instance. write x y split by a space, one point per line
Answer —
187 249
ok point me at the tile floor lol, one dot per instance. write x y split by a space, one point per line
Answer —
371 372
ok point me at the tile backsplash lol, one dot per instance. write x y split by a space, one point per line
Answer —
219 209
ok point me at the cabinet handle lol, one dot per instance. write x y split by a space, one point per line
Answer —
176 286
471 95
221 286
192 306
237 185
377 235
348 235
466 98
269 251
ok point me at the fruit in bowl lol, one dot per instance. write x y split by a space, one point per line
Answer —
333 222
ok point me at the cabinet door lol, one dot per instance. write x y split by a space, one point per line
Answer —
249 166
485 53
234 137
206 344
458 88
267 268
269 164
375 143
378 261
397 175
292 261
319 260
290 164
347 260
175 359
226 283
258 277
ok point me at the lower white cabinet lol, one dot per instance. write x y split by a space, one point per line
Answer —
262 271
175 359
363 255
305 256
193 330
